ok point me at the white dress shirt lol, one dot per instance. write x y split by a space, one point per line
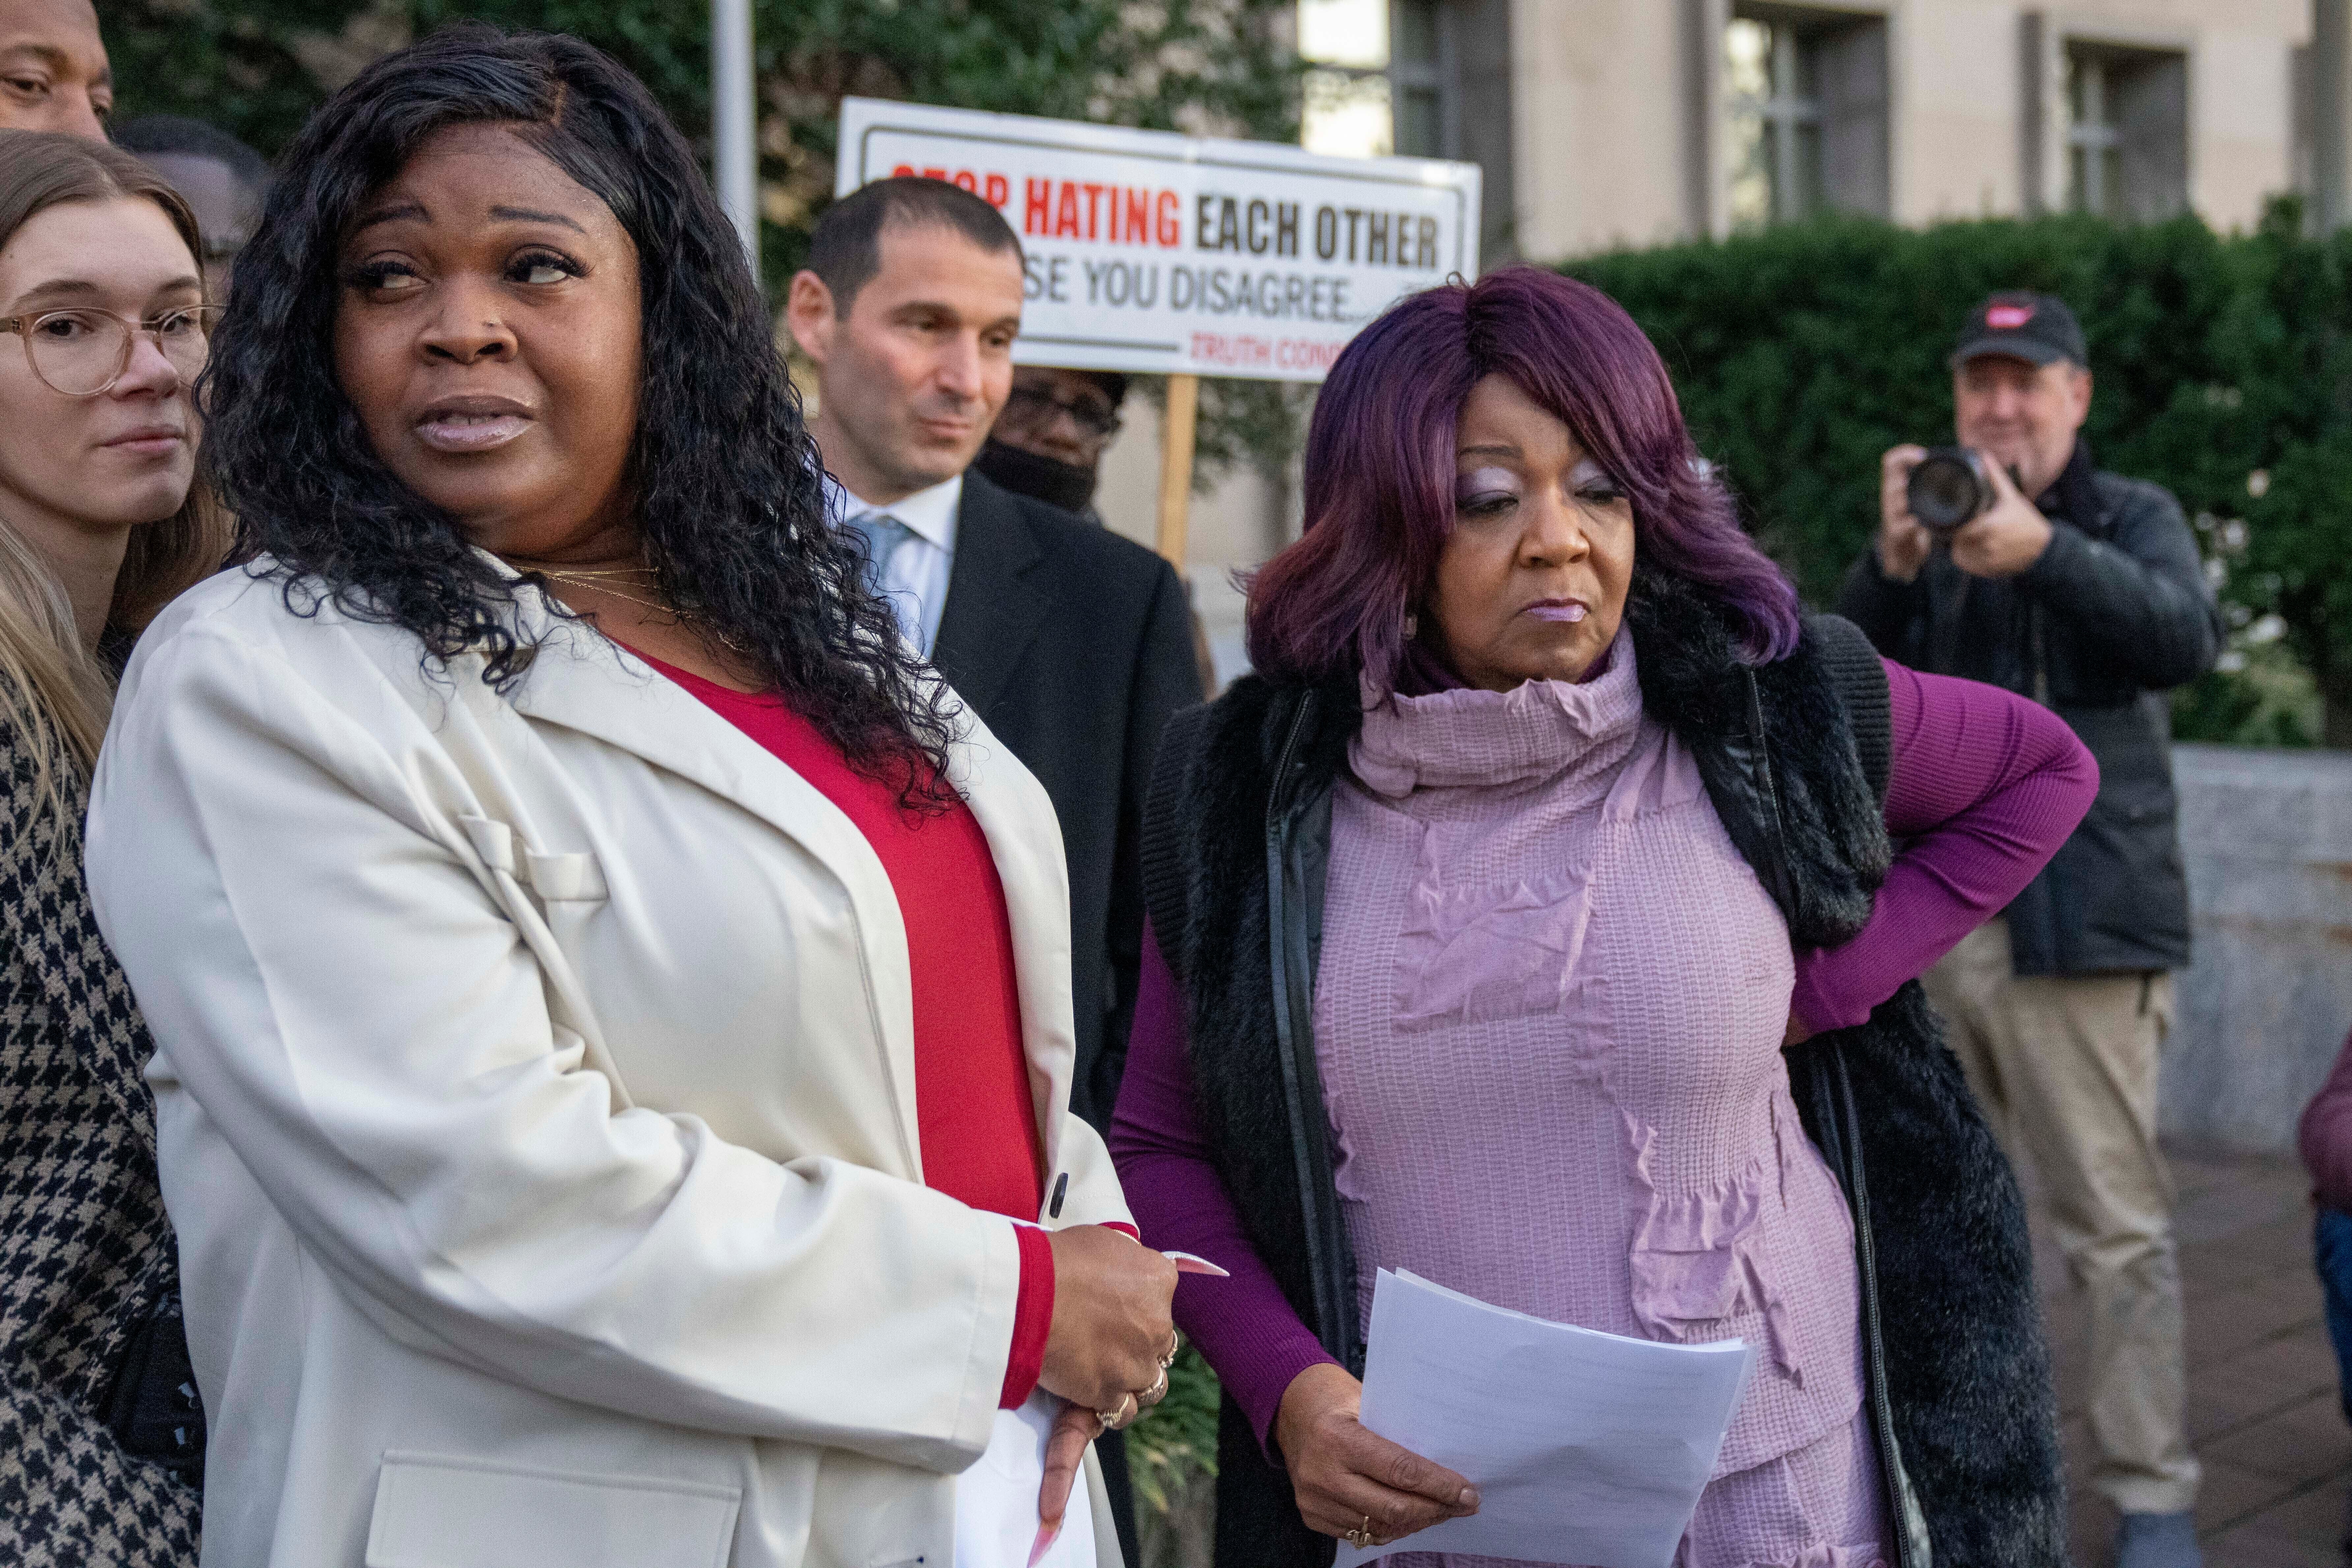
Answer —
916 575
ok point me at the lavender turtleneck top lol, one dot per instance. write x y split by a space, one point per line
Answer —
1472 988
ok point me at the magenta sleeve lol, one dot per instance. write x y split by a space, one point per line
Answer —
1984 789
2326 1136
1244 1326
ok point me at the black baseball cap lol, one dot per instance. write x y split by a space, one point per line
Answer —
2036 328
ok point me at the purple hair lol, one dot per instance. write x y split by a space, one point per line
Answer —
1379 471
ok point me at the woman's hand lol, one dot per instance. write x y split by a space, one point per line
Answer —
1110 1325
1344 1475
1066 1450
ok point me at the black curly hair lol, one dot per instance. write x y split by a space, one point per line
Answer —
730 501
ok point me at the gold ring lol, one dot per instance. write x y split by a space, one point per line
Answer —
1361 1536
1175 1349
1120 1415
1156 1393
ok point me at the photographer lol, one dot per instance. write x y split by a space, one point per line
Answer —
2090 598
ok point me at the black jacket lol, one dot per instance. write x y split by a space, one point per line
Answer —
2117 610
1073 645
1236 847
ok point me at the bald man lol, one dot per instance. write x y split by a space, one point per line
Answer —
53 70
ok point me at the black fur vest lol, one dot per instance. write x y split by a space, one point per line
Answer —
1795 757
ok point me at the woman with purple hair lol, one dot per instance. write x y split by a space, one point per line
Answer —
1534 920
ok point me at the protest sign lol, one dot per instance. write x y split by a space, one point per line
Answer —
1188 256
1150 251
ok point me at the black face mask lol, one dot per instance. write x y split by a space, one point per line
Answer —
1049 479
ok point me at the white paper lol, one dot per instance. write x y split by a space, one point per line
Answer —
1585 1447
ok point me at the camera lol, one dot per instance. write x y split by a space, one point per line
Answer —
1949 486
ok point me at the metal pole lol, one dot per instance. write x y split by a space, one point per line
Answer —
734 121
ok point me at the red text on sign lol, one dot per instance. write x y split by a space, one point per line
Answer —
1246 350
993 189
1106 214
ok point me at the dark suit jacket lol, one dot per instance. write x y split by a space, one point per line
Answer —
1073 644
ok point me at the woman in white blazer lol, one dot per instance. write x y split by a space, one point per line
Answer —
549 1064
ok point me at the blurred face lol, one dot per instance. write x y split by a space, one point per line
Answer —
225 208
2023 415
488 334
911 378
1531 583
53 70
76 470
1064 414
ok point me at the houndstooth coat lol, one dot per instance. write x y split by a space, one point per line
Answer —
86 1253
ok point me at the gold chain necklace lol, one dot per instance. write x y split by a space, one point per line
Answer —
596 579
587 574
599 580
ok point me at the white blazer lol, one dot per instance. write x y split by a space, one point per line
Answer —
535 1079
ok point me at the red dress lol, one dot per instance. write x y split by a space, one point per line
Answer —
975 1117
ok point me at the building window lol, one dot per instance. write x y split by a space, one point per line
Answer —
1808 113
2095 148
1417 78
1345 44
1422 78
1775 125
2126 132
1378 76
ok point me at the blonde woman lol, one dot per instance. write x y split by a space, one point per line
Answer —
103 328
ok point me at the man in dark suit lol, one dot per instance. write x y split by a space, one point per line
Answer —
1073 644
1070 642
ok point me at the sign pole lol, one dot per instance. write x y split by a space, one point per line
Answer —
734 116
1176 439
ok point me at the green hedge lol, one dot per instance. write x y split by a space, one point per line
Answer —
2224 372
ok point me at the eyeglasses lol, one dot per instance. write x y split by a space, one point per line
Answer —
1094 418
83 353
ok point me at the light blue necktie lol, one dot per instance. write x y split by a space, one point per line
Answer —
883 535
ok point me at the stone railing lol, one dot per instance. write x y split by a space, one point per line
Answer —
2268 1001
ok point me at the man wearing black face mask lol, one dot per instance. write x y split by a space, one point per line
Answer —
1048 442
1048 445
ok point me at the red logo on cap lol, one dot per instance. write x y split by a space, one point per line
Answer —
2008 318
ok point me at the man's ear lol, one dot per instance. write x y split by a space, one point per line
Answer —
2082 390
808 311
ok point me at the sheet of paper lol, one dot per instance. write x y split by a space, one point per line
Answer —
1585 1447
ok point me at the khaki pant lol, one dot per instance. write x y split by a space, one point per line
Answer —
2066 1069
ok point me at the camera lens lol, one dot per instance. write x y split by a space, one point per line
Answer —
1946 490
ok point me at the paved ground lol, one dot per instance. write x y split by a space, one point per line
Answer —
2262 1408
